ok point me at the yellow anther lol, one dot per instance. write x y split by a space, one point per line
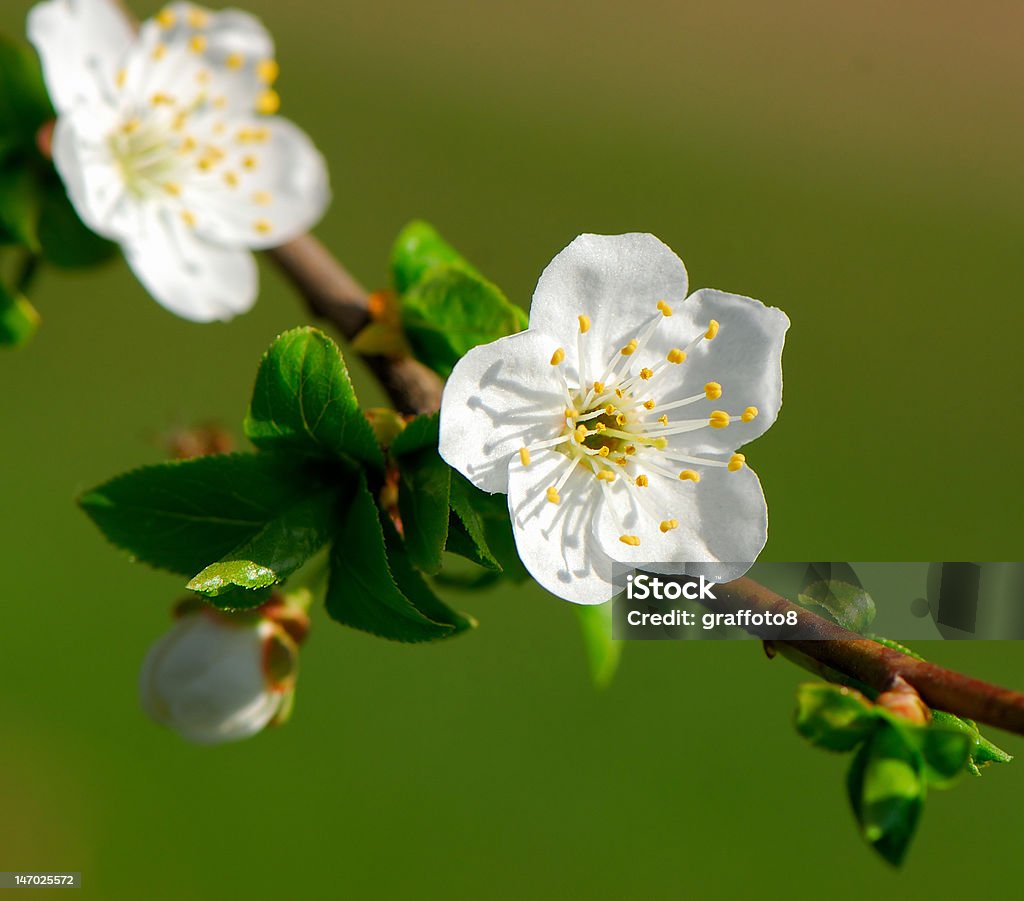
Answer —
599 426
130 126
712 391
619 461
198 43
641 481
663 420
689 475
234 61
188 218
749 414
162 100
558 356
712 330
159 52
262 198
666 310
166 18
524 456
268 102
599 387
580 434
630 450
267 71
631 540
669 524
620 419
263 226
197 18
122 76
736 462
206 163
609 409
179 120
606 475
603 452
619 393
570 413
232 179
249 162
676 355
648 404
553 495
630 348
646 373
172 188
584 324
719 419
660 443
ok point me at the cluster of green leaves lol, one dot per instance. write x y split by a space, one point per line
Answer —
37 222
895 760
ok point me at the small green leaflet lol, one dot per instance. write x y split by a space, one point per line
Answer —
833 717
467 529
835 588
18 319
418 249
303 402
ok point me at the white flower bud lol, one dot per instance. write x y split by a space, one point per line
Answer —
216 678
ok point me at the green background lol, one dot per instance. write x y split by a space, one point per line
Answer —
855 164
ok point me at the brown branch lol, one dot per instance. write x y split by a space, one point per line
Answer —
331 293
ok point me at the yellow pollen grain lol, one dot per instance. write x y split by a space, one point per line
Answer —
628 350
234 61
646 373
631 540
668 525
666 310
712 391
584 324
736 462
609 409
712 330
166 18
619 461
606 475
249 162
599 427
263 226
172 188
524 456
570 413
198 43
676 355
558 356
648 404
268 102
630 450
162 100
689 475
619 393
620 419
580 434
603 452
262 198
660 443
159 52
553 496
197 18
719 419
641 481
267 71
188 218
599 387
231 179
749 414
663 420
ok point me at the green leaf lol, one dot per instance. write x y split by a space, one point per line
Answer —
362 592
467 530
303 402
450 311
270 556
418 249
180 516
65 240
24 103
423 493
946 754
19 206
836 588
603 652
887 791
833 717
18 319
982 751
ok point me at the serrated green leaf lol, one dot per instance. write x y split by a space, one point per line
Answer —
66 241
418 249
835 588
603 651
18 319
833 717
423 492
887 790
19 206
303 402
450 311
467 535
361 590
270 556
180 516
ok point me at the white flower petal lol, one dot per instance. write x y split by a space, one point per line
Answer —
745 358
80 43
191 277
278 193
500 397
722 519
554 540
616 280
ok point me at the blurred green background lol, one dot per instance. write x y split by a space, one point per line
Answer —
855 164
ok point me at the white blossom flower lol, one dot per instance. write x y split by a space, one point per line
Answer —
217 678
612 422
167 143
